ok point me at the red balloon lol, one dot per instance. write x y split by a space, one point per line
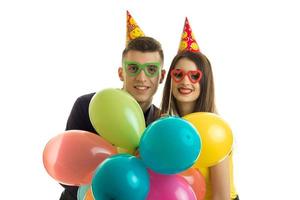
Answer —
72 157
196 180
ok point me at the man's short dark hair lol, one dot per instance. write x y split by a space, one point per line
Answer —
144 44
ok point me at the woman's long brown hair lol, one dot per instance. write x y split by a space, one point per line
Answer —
206 99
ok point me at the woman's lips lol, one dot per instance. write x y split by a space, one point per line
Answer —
185 91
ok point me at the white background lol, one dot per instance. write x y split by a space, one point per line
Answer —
51 52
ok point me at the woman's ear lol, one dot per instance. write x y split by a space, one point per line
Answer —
120 73
162 77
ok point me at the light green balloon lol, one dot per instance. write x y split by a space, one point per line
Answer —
82 191
117 117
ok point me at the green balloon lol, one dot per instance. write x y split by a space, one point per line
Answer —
82 191
117 117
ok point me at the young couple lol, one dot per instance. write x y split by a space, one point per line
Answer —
189 88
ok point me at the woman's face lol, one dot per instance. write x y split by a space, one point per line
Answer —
185 81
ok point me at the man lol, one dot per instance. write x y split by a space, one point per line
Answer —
141 73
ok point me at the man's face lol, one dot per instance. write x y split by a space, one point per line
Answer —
142 86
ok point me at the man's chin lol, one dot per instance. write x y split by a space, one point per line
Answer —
142 99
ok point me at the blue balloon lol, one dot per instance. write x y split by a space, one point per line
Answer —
121 177
82 191
170 145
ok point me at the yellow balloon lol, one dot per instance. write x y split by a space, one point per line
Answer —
216 137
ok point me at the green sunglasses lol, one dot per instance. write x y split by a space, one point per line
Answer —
134 68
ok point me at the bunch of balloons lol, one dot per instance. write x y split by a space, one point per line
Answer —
160 162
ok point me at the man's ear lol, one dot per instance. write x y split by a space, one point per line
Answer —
162 77
120 73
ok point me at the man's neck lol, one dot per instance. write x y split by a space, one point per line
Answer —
145 105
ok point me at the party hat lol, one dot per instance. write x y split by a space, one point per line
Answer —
133 30
188 41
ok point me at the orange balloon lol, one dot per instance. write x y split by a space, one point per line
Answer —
196 180
72 157
89 195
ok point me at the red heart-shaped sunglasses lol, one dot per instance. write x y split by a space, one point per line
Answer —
193 75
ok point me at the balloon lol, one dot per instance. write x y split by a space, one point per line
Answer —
170 145
127 151
121 177
71 157
82 191
89 195
117 117
169 187
216 137
196 180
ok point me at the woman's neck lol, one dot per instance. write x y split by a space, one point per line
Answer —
185 108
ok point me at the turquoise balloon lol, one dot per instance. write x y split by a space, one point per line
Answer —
117 117
121 177
82 191
170 145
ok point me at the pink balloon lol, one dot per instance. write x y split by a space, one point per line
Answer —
72 157
169 187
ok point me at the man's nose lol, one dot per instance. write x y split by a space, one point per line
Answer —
141 76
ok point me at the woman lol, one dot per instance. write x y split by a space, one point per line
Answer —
189 88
